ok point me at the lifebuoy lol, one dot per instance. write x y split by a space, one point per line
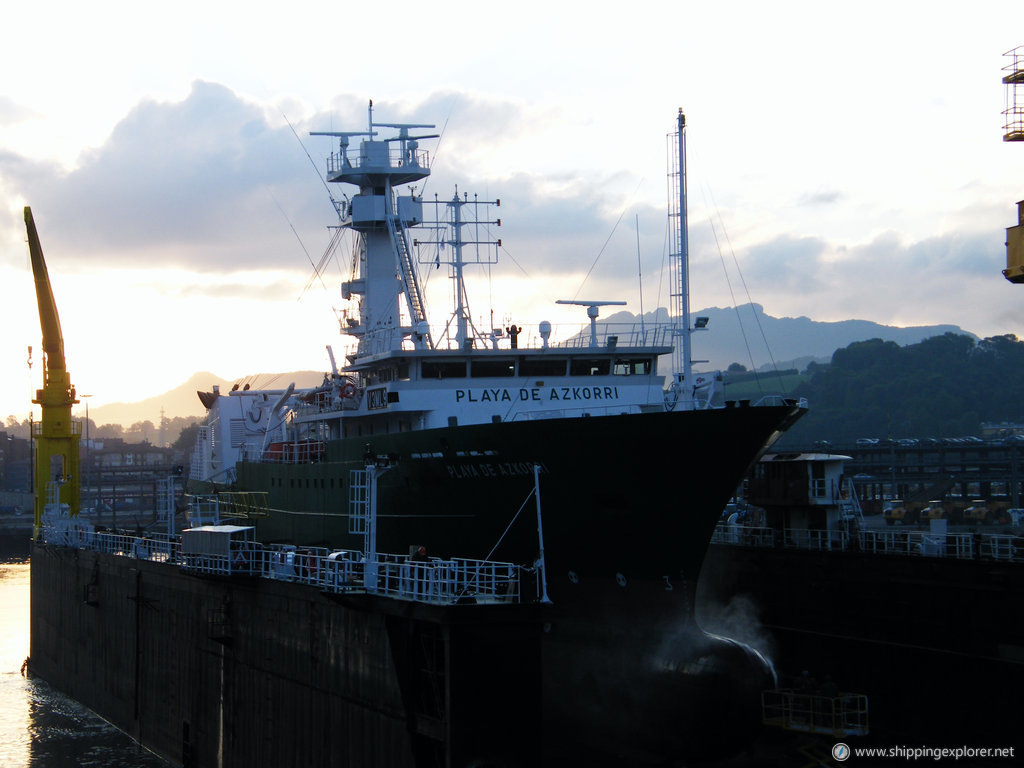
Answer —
348 390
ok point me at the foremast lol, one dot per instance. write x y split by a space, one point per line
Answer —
685 391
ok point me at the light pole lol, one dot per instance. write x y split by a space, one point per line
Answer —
85 456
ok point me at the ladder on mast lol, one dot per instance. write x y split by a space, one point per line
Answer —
405 267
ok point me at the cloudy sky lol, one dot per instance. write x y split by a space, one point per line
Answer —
845 161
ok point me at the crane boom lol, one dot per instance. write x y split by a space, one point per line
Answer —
56 436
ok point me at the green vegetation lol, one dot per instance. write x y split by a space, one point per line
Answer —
754 386
944 386
139 432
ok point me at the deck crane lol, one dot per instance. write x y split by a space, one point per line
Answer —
56 435
1013 130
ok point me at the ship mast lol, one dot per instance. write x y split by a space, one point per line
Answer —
477 247
682 387
382 217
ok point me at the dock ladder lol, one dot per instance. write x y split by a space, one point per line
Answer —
358 502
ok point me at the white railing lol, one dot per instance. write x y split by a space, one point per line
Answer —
806 538
401 577
917 543
294 452
1002 546
744 535
355 159
567 336
960 546
772 400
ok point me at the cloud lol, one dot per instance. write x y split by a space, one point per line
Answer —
12 113
196 183
820 196
788 262
214 184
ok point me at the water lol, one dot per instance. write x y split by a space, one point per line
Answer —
39 726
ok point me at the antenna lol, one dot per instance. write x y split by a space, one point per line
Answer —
592 312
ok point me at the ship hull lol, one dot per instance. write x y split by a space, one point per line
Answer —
628 506
636 495
614 670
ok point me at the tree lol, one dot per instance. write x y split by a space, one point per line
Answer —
736 368
187 438
139 432
108 432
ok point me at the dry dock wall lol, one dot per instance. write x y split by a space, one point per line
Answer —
247 672
937 644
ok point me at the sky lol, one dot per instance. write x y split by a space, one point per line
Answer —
844 161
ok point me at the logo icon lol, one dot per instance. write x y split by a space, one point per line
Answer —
840 752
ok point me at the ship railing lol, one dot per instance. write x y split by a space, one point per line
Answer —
157 547
918 544
1002 546
450 581
821 540
775 400
293 452
843 715
337 162
398 576
435 580
610 336
743 535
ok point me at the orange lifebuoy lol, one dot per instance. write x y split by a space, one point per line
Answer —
349 390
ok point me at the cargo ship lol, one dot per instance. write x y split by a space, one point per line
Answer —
459 427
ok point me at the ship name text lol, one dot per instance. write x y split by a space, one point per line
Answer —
492 469
535 394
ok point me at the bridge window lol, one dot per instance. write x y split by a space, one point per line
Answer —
542 366
589 367
489 368
632 367
453 369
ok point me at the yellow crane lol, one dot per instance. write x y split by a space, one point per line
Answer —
56 435
1013 130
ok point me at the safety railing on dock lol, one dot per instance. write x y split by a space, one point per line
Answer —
845 714
960 546
745 535
918 543
826 541
404 577
1005 547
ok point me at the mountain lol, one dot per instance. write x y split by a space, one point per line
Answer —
183 401
791 342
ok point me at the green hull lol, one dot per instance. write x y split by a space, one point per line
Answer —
632 494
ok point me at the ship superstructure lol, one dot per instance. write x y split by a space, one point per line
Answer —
402 376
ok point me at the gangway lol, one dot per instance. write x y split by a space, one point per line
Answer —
209 508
